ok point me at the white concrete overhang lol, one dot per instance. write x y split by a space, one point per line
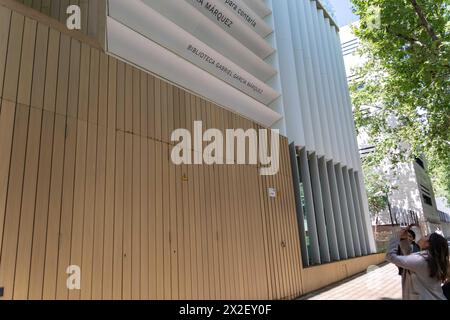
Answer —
149 23
134 48
238 29
248 51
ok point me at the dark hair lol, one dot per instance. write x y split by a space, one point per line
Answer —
412 233
438 256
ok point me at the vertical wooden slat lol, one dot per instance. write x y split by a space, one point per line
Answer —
172 205
136 202
136 218
108 256
183 267
150 107
127 221
144 220
231 212
252 249
27 60
166 222
221 229
159 218
103 91
99 215
184 209
224 232
40 65
152 187
152 257
165 197
67 208
74 79
199 211
94 87
204 211
128 108
6 136
136 102
216 252
12 68
144 107
239 225
118 266
157 118
79 199
83 95
91 168
112 94
192 209
120 120
89 211
144 174
252 221
249 253
144 232
54 212
52 71
63 75
5 23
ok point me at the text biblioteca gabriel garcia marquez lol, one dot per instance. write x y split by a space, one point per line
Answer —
224 69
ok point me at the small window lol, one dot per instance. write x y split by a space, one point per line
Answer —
427 200
420 163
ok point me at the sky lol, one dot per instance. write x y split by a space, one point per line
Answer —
343 12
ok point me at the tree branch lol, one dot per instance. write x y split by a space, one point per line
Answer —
405 37
424 21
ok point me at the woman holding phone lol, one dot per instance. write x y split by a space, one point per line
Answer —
425 271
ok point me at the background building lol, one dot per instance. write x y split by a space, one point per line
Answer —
444 215
85 173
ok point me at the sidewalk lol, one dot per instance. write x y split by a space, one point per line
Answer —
383 283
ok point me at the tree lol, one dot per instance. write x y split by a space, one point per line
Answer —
406 79
377 191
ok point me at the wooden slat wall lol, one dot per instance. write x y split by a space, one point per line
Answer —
86 179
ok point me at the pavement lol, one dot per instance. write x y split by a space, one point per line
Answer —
378 283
